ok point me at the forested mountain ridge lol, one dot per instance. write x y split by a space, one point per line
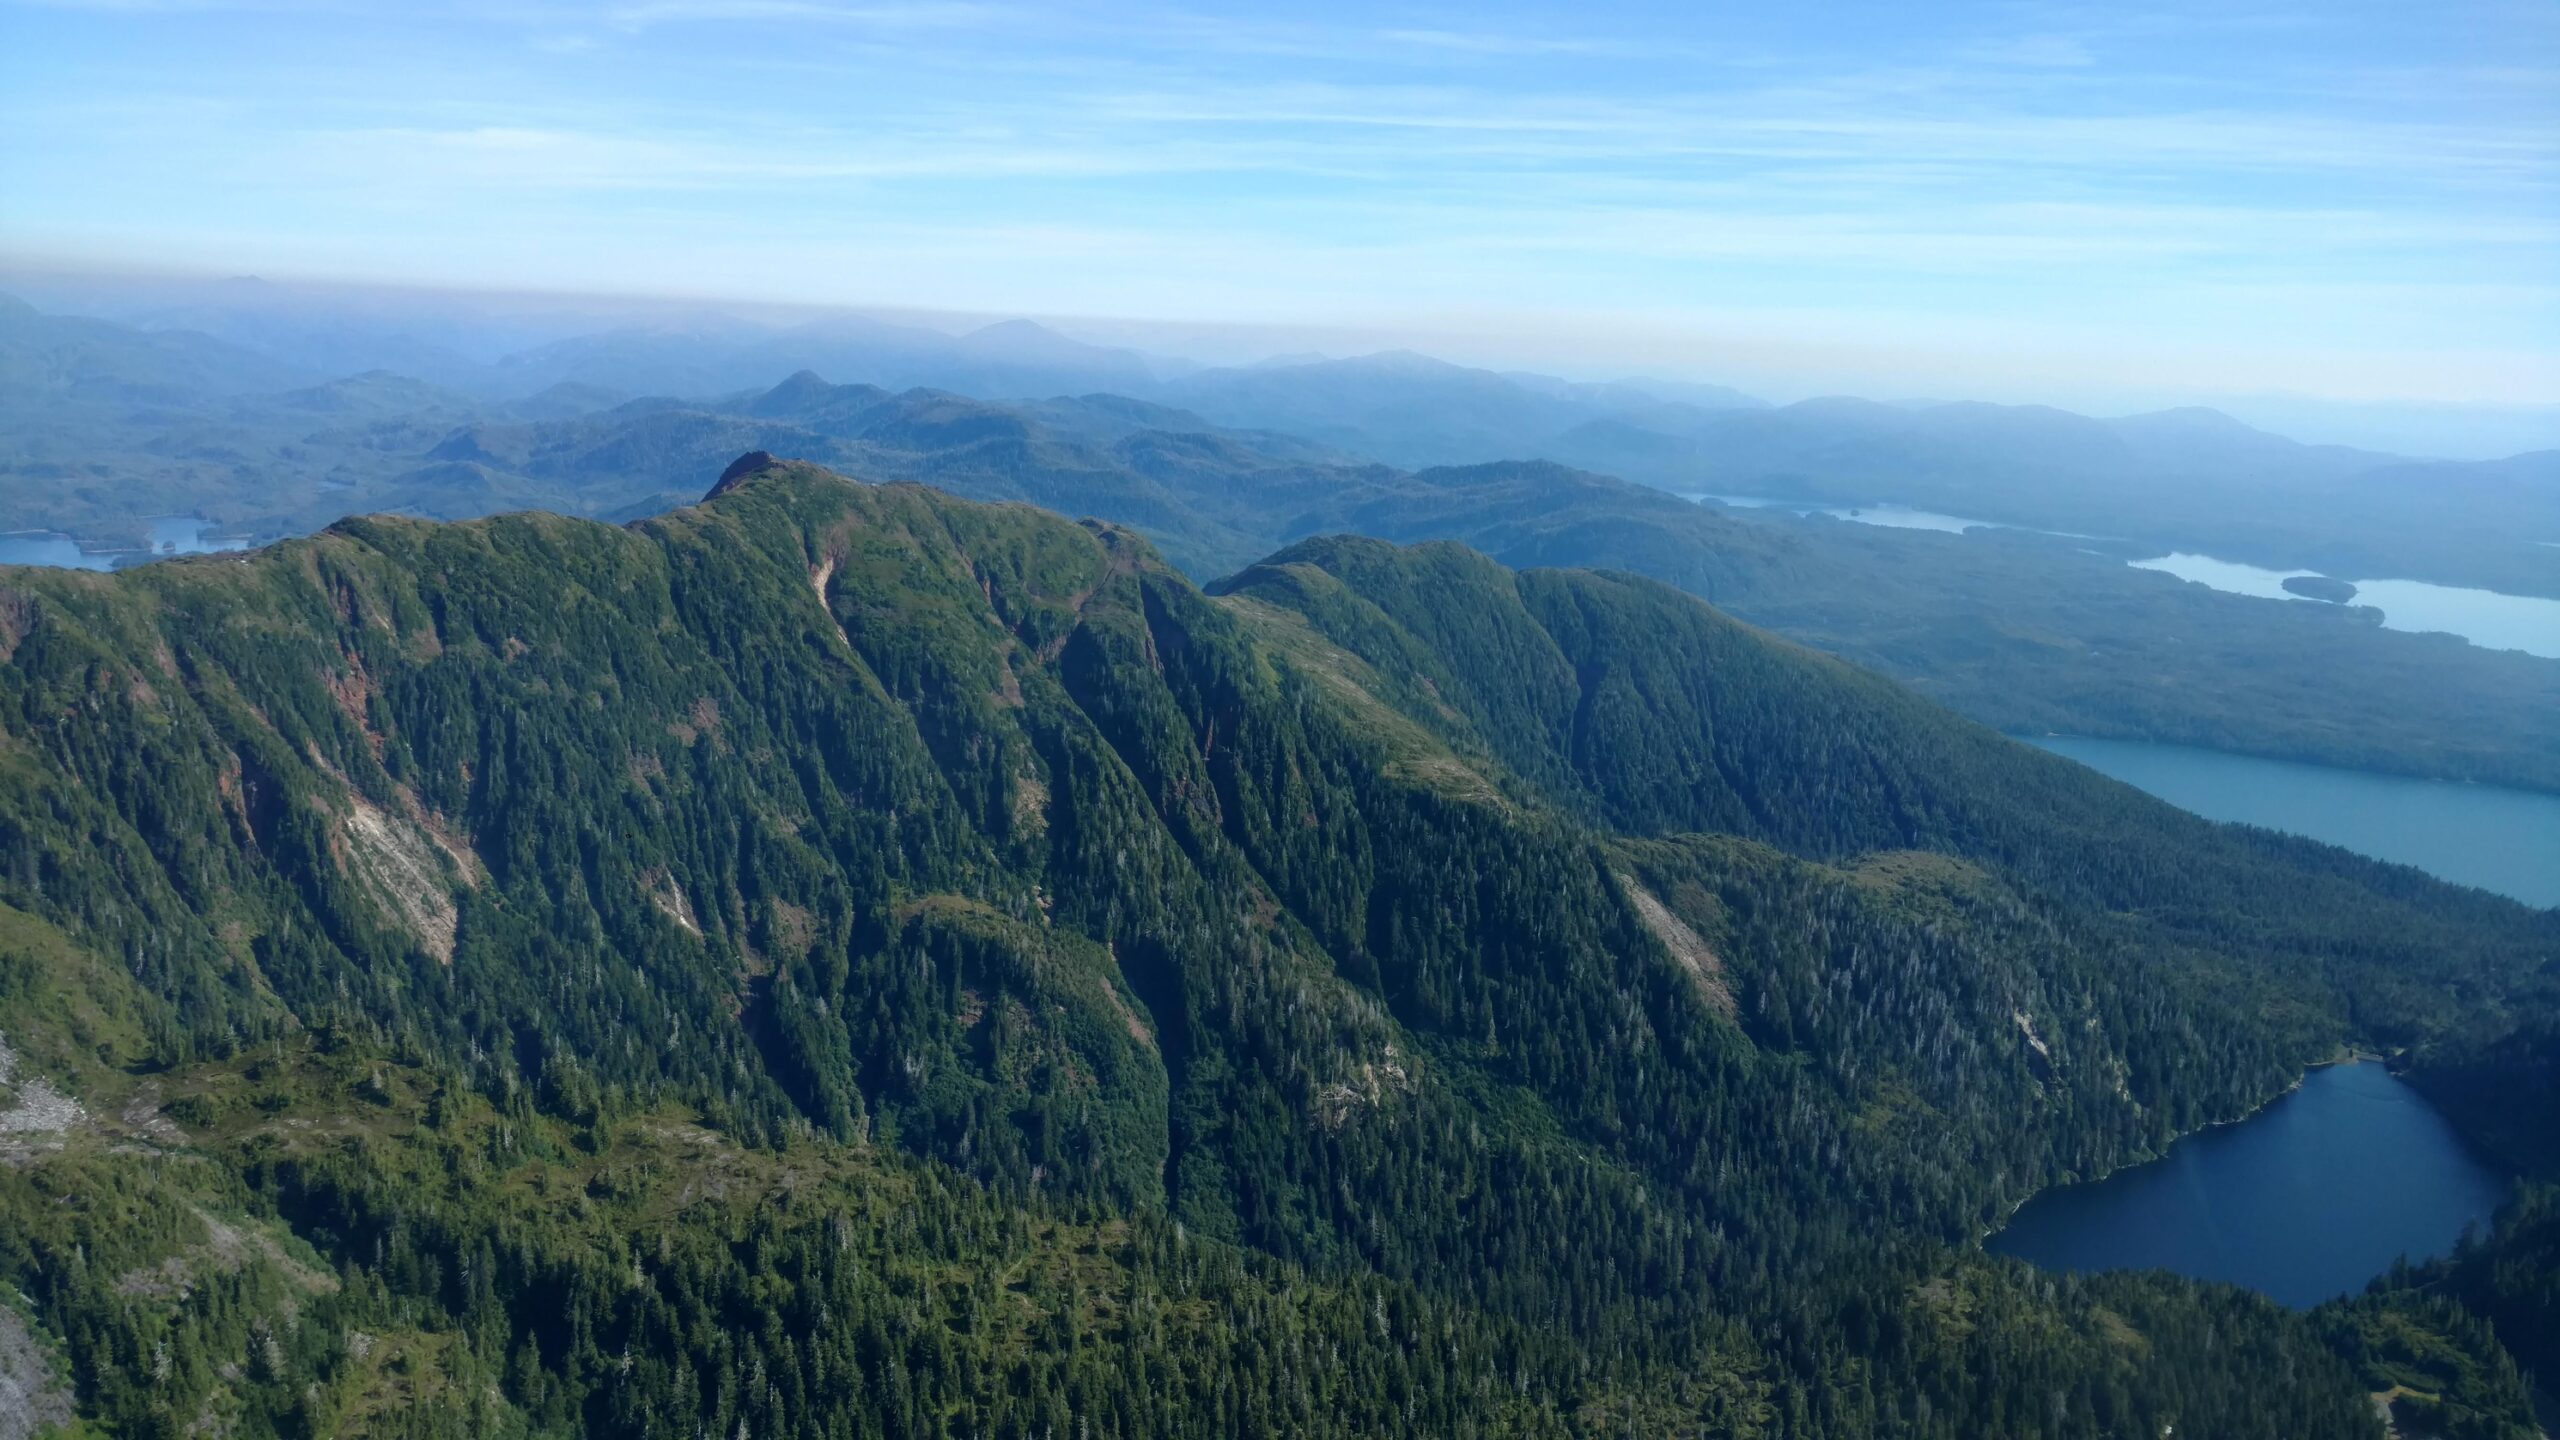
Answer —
2025 632
839 959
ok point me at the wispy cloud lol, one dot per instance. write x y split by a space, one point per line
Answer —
168 7
1511 44
926 14
2223 173
2037 51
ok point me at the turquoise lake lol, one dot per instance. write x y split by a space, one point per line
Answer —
2484 835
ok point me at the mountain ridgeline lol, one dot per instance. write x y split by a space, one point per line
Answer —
838 960
108 431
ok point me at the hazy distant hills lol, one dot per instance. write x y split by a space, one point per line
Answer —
1213 498
495 354
109 426
1399 407
1413 410
1011 358
2518 481
2190 478
56 358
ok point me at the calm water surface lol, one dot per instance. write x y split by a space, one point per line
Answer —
1897 517
54 550
2485 835
2486 618
170 535
2230 577
2305 1200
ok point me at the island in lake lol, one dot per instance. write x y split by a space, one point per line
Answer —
2321 587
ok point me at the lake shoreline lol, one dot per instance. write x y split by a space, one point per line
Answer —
164 536
2500 839
2146 546
2351 1056
2302 1209
2280 757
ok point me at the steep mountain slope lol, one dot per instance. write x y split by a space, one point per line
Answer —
838 959
2022 632
1649 713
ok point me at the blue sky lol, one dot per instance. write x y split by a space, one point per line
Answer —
2007 200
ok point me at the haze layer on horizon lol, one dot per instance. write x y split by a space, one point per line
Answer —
2349 202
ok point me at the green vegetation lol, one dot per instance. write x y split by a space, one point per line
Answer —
2029 633
2501 1084
838 960
2434 1361
2023 632
2321 587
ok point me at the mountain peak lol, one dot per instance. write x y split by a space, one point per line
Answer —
1014 330
1407 362
741 470
802 390
1030 343
2191 419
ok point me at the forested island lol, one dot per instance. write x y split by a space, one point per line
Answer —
2321 587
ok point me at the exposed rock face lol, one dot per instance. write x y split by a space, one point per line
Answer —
397 863
37 1108
1365 1087
671 900
33 1398
1685 944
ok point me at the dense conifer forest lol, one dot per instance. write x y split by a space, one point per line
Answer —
838 960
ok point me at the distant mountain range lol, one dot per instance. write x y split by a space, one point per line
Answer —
2187 478
2017 630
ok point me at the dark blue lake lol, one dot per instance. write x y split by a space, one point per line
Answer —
2306 1200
